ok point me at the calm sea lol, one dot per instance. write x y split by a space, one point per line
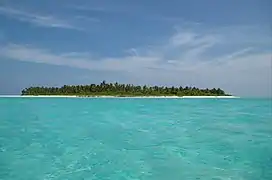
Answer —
125 139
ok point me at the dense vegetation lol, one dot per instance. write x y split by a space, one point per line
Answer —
116 89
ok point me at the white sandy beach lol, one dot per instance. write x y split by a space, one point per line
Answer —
221 97
53 96
146 97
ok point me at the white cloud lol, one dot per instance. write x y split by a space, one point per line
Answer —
236 54
78 60
88 8
86 18
183 38
133 52
113 8
44 20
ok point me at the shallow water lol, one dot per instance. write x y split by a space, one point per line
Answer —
147 139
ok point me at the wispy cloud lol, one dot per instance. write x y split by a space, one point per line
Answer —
86 18
236 54
184 38
78 60
190 56
87 8
44 20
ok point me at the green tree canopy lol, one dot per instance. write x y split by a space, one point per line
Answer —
116 89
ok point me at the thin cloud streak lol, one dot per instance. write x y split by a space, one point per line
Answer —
236 54
78 60
85 8
90 19
102 9
48 21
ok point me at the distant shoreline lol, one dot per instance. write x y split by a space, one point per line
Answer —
134 97
122 90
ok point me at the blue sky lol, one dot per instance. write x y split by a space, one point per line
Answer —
210 43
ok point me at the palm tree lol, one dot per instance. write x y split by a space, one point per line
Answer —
120 89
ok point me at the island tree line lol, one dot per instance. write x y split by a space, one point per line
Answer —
115 89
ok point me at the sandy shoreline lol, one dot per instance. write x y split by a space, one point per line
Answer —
145 97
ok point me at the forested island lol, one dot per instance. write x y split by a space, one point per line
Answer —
122 90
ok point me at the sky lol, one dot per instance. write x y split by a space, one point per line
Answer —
213 43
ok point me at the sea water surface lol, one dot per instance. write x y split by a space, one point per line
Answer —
129 139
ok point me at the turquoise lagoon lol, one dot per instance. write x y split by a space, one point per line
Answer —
129 139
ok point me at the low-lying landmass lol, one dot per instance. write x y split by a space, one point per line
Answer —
122 90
